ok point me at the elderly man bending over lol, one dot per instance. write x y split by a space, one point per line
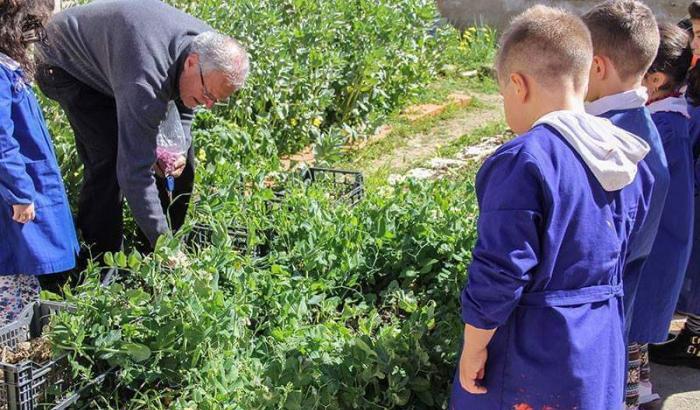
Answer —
114 66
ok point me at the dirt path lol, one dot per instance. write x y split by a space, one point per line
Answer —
421 147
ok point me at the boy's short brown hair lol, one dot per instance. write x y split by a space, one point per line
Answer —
626 32
548 44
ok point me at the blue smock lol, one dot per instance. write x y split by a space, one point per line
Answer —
689 299
29 173
546 272
638 121
665 268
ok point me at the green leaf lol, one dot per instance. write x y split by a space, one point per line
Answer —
428 266
426 396
420 384
137 296
121 260
48 295
365 347
134 261
138 352
315 300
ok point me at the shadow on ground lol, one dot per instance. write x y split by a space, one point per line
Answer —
679 387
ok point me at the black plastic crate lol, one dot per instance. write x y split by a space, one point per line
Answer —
26 385
202 235
345 185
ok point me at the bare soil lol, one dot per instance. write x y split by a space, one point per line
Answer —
422 147
37 350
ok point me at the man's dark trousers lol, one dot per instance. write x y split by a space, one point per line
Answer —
93 118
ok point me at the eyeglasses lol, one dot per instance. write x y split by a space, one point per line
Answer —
213 100
205 92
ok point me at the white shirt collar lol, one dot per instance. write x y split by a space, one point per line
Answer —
670 104
627 100
8 62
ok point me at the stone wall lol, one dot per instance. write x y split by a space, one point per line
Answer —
498 12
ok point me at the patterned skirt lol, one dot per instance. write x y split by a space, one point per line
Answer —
16 292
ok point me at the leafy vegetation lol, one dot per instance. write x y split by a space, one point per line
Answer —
353 307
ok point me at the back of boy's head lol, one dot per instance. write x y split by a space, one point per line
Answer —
674 56
550 45
626 32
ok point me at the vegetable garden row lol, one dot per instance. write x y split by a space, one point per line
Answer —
353 304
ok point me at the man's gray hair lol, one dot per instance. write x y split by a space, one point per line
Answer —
218 52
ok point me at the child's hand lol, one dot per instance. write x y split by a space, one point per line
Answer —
472 363
471 369
23 213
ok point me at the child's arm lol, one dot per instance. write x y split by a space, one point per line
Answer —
472 363
16 187
511 197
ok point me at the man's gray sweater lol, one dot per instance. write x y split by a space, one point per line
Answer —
132 50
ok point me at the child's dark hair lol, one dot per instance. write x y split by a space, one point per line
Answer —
674 56
687 25
693 92
693 80
20 21
694 10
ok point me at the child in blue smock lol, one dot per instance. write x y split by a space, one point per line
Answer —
36 225
684 349
558 204
663 274
625 42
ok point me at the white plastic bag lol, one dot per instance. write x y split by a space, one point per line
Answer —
172 142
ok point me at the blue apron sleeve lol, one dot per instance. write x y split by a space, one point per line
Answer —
510 191
16 187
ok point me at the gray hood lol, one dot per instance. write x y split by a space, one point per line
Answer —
611 153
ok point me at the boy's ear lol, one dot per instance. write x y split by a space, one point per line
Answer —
656 80
521 86
599 69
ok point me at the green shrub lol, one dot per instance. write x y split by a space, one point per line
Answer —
353 308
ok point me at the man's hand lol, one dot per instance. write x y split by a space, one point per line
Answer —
23 213
177 167
472 366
